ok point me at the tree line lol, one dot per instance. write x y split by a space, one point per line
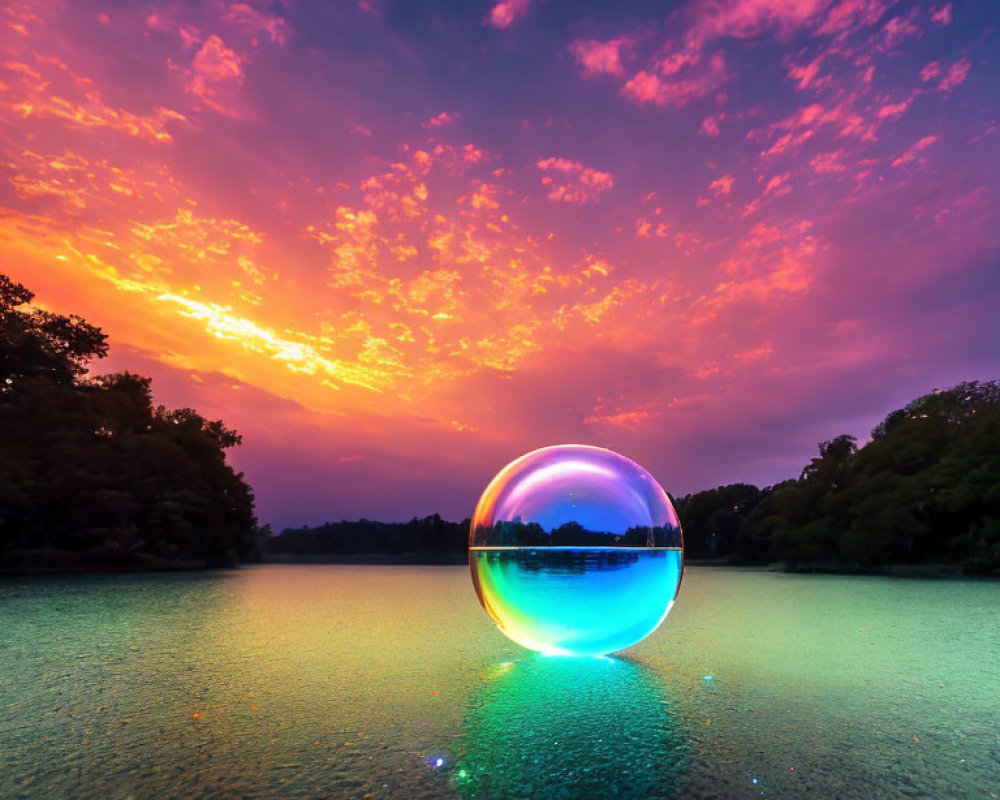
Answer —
427 536
92 474
925 489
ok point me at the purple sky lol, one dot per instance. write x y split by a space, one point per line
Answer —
399 244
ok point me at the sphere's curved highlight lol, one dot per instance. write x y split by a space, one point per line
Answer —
575 550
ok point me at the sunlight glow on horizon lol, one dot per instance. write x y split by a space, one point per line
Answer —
362 241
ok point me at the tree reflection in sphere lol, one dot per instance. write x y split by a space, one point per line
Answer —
575 550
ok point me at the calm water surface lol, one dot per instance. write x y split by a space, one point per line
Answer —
390 682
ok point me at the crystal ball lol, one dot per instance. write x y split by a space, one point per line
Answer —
575 550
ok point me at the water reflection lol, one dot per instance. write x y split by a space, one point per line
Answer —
548 727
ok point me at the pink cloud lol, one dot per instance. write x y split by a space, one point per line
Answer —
675 62
572 182
894 109
442 120
599 58
778 184
951 78
771 262
690 64
214 66
710 125
723 186
744 19
644 87
252 21
506 12
846 16
189 37
913 152
648 87
942 16
955 75
804 75
828 162
808 121
158 23
930 71
898 29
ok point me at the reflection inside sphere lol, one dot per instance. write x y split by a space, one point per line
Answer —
575 550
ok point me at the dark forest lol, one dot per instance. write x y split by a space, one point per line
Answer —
92 474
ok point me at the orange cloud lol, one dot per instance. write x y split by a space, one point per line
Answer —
572 182
85 186
769 263
441 120
52 90
629 420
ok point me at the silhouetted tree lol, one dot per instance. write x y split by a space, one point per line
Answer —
91 473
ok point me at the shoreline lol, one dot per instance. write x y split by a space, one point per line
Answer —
938 571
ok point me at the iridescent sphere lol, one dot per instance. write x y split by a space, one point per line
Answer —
575 550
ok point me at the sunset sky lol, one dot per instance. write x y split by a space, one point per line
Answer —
397 244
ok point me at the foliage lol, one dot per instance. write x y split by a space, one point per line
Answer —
91 473
926 489
712 520
430 535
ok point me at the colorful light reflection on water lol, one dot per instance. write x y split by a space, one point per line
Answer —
529 731
575 550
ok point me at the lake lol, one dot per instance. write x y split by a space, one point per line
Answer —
390 682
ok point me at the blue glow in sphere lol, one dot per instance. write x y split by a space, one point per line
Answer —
575 550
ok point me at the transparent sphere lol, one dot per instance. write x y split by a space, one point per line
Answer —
575 550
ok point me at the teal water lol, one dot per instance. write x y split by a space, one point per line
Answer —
390 682
576 600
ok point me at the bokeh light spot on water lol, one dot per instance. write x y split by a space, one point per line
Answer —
575 550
